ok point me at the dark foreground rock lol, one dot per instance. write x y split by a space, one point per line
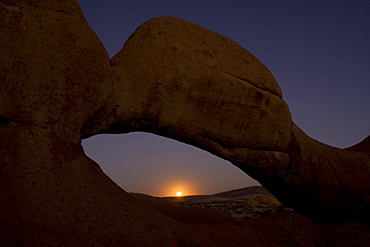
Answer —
172 78
271 229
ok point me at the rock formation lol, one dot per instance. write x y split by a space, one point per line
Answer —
363 147
172 78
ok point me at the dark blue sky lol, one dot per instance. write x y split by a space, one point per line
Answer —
318 50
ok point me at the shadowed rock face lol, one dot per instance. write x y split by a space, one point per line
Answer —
172 78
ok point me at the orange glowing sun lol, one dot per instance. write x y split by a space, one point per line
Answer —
178 193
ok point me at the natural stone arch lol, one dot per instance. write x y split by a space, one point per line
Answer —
179 80
59 86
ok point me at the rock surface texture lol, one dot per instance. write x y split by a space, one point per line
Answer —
172 78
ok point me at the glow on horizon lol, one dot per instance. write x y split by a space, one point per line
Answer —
179 188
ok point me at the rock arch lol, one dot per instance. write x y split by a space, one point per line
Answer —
172 78
179 80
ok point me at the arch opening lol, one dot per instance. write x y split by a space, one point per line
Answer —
158 166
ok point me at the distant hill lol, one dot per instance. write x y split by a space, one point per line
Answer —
245 192
179 212
227 196
245 203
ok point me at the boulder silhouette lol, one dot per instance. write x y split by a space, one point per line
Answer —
171 78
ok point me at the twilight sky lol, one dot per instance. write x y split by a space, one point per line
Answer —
318 50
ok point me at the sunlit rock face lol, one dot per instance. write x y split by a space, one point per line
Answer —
181 80
171 78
